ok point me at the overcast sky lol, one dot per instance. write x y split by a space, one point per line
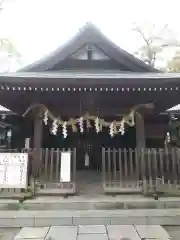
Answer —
38 26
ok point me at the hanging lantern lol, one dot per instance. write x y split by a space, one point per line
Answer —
172 132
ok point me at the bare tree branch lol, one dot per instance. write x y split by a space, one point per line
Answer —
154 43
6 44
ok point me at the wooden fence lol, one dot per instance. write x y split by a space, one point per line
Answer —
49 168
146 170
44 170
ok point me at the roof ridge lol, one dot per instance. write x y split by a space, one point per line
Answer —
89 32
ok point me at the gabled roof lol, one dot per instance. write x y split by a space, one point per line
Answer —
89 34
72 78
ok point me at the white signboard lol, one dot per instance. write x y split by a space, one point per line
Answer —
13 170
65 173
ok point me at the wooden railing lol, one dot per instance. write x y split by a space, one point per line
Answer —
49 168
145 170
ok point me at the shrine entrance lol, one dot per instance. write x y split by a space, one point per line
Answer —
89 164
90 159
89 149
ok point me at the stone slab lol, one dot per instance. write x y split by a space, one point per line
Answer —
116 232
62 232
152 232
92 229
83 232
92 237
32 233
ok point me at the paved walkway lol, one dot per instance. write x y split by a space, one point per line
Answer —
95 232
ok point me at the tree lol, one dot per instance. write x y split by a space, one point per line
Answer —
154 41
174 64
6 45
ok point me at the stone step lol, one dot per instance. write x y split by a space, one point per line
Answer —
96 232
170 217
100 203
91 203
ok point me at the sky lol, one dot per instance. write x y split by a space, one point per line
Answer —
37 27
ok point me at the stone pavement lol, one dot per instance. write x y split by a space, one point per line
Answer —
94 232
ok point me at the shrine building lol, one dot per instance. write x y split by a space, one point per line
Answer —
86 96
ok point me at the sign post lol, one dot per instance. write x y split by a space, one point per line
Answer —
65 170
13 170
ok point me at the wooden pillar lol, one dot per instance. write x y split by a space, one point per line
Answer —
37 142
140 132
